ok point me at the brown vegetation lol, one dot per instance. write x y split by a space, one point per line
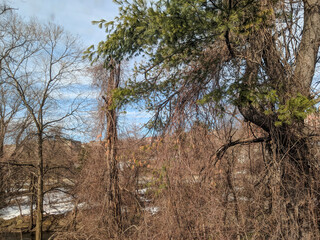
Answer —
173 188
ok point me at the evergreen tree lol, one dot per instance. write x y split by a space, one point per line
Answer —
259 56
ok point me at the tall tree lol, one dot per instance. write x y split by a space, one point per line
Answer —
259 56
111 144
107 78
44 63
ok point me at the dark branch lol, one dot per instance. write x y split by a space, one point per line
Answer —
223 149
17 164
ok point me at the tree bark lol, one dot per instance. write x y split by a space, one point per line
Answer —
114 200
39 188
2 137
32 199
292 170
308 49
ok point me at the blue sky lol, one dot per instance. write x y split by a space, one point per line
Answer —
76 17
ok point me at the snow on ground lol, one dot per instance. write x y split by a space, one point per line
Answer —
14 211
152 210
55 202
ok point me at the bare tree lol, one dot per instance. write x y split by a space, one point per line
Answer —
45 62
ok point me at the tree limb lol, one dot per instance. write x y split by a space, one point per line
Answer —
223 149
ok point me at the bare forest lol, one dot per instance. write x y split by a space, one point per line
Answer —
231 146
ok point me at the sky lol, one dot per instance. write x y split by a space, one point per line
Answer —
76 17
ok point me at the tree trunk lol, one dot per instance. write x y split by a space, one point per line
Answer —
298 175
308 49
114 201
293 171
32 199
1 148
2 136
297 201
39 189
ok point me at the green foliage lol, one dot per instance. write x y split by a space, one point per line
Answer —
268 98
172 31
296 108
142 26
216 95
263 97
176 38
